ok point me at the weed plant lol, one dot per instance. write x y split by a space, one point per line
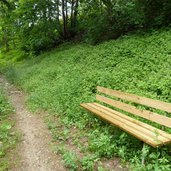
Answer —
7 137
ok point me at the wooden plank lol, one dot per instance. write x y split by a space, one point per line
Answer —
122 126
125 125
131 122
136 99
163 120
138 125
147 126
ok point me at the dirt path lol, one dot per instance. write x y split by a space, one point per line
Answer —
34 151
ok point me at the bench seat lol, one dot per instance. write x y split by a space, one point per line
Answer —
145 132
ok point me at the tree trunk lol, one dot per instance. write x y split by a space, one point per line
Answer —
64 19
72 12
58 15
75 14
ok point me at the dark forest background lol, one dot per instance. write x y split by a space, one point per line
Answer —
38 25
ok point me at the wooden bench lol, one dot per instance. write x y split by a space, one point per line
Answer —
143 131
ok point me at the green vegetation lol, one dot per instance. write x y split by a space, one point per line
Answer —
73 162
36 26
7 137
58 81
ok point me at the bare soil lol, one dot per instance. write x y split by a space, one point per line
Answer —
33 150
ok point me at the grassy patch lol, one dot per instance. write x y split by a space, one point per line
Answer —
7 136
60 80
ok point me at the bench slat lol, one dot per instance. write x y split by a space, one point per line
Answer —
153 132
122 126
147 126
129 126
136 99
163 120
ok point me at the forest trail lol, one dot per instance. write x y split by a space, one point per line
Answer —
34 149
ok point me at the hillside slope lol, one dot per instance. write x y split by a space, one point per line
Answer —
60 80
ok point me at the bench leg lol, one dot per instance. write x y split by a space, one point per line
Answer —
145 151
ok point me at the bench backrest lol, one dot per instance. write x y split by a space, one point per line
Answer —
154 117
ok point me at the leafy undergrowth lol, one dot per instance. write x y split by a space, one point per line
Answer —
7 137
58 81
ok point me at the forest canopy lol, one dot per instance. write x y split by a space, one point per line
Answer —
37 25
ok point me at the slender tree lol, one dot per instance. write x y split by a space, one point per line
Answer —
64 19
